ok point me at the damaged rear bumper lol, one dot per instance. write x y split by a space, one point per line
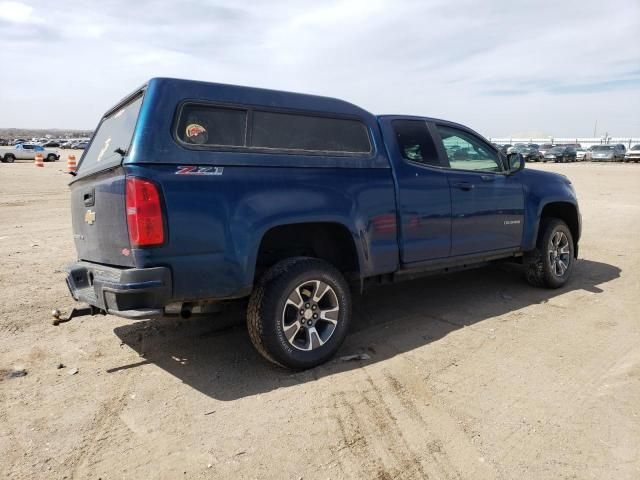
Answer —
134 293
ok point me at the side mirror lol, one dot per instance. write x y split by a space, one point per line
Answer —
515 161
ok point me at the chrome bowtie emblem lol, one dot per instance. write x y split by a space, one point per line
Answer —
90 217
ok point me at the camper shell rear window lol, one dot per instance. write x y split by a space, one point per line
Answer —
112 138
203 126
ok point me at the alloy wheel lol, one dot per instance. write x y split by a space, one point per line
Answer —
310 315
559 253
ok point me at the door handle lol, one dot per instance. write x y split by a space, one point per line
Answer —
463 185
89 198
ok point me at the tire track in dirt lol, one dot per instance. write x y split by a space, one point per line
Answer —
385 435
100 431
445 439
368 447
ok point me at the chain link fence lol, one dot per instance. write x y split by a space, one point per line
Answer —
586 142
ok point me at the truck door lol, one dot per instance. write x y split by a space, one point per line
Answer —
487 205
422 190
24 152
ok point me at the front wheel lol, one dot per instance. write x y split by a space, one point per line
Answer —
299 313
551 263
9 158
51 158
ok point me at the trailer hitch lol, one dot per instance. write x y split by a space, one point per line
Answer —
76 312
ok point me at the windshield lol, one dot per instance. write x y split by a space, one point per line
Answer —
557 149
111 141
602 148
635 147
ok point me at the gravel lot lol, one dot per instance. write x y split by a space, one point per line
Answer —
474 375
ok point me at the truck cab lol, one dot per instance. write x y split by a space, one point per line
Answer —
191 194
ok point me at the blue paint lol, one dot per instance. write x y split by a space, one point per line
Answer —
398 214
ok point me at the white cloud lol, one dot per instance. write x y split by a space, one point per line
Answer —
17 12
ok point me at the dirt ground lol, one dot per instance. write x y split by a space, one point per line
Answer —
474 375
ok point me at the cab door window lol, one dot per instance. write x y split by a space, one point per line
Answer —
415 142
466 152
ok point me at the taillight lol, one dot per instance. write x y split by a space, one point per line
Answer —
144 213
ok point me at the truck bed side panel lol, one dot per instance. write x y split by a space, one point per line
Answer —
216 222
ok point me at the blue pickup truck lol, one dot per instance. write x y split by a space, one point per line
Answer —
191 194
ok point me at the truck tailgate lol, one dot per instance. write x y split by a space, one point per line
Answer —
99 218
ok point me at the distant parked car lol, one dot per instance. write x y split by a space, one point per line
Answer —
80 145
27 151
67 144
633 154
561 154
608 153
545 147
4 142
582 153
529 152
51 143
513 148
18 141
534 153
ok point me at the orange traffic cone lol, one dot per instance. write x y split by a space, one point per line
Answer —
71 163
39 160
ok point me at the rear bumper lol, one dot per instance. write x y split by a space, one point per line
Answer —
134 293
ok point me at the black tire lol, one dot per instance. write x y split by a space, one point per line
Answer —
9 158
268 310
539 268
51 157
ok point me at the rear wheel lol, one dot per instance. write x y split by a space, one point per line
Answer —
551 263
299 313
51 158
9 158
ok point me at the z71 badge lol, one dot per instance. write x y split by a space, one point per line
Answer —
193 170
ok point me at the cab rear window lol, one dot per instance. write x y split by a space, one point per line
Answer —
112 138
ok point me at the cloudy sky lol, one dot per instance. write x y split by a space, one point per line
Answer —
501 67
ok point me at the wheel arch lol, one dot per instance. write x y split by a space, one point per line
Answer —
331 241
565 211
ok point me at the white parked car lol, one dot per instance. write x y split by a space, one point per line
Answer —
583 154
633 154
27 151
